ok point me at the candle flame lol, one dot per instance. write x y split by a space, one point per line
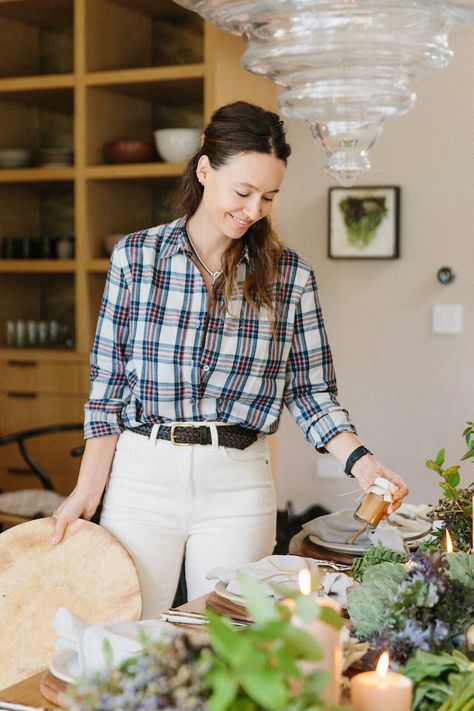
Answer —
449 543
382 665
304 581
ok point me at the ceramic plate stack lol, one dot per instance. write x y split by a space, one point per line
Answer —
54 157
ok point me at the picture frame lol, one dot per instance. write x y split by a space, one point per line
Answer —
364 222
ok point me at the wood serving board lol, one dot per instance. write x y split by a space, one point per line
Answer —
89 572
53 689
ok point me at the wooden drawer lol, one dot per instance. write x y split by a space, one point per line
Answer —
40 376
25 410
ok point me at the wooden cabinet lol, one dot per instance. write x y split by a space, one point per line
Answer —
34 393
75 74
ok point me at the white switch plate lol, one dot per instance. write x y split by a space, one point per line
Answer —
328 468
447 318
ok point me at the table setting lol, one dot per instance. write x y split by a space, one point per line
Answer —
361 614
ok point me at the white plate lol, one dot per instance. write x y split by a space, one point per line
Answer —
65 666
411 537
221 589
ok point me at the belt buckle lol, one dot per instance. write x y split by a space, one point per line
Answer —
172 439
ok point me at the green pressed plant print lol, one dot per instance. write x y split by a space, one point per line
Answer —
362 218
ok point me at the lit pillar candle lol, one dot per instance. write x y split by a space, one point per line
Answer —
327 636
381 690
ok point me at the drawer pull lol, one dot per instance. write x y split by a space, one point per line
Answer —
22 363
28 396
19 470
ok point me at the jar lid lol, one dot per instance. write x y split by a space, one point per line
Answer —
383 487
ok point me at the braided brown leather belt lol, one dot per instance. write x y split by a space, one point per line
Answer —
228 436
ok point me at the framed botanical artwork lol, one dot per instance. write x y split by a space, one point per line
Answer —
364 222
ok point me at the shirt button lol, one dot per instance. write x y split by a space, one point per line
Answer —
191 401
206 368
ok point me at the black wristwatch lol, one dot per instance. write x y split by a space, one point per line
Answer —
354 457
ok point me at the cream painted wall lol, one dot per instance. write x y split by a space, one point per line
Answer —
408 391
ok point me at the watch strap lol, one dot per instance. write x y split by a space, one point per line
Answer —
354 457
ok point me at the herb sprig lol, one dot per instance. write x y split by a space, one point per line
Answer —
454 510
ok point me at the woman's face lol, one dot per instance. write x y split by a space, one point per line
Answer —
239 193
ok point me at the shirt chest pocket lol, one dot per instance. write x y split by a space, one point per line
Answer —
246 334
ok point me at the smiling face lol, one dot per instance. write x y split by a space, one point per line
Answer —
239 193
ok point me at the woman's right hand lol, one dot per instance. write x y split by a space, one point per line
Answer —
77 505
85 498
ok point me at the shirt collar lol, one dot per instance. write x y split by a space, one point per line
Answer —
175 240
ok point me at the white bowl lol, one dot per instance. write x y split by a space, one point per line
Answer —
176 144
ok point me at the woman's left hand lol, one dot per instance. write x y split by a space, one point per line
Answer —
367 469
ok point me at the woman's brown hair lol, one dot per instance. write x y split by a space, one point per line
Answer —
239 128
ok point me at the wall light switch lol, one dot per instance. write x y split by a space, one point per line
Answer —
447 318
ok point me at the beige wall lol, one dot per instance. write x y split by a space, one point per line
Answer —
408 391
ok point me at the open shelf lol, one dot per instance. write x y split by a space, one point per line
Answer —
38 36
46 302
36 175
119 208
137 171
27 266
142 34
132 111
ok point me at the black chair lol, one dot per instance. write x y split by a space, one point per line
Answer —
289 524
27 504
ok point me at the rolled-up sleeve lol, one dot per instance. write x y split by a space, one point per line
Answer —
109 390
311 389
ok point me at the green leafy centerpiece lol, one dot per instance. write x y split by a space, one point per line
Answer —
426 603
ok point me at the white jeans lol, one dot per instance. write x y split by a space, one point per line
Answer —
215 504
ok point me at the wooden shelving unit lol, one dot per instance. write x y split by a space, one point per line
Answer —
115 79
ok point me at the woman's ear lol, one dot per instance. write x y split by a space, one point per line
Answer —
202 169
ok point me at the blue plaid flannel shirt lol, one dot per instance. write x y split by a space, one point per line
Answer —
159 357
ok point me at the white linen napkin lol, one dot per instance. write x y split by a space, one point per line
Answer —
87 641
388 536
281 569
337 527
414 512
335 585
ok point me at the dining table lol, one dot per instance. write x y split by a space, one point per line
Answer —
27 692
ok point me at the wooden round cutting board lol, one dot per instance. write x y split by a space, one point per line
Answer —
89 572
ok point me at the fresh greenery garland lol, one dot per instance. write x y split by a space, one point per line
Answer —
374 556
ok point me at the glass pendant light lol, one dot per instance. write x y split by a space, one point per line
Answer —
344 66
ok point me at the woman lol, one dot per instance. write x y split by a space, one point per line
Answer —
209 322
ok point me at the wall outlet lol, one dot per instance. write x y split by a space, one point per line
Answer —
328 468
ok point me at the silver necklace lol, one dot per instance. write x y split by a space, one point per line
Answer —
213 275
